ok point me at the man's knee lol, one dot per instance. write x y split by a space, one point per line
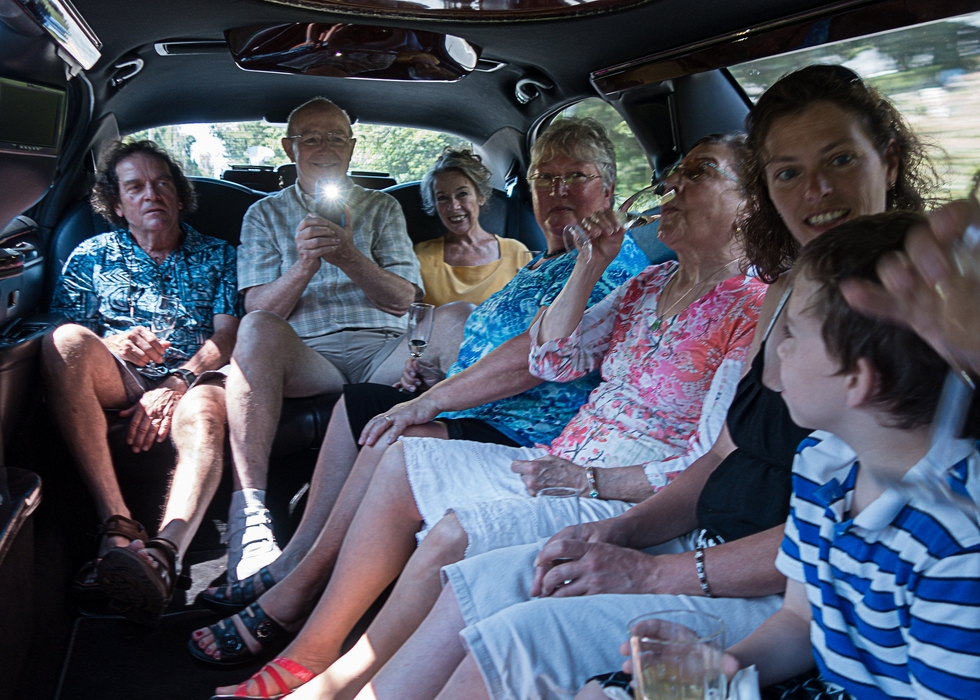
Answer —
261 330
68 341
202 410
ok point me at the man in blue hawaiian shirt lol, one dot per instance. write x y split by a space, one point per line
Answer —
107 359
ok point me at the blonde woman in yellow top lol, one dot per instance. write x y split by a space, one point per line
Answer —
467 263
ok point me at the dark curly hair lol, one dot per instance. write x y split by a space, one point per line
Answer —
910 372
768 243
105 193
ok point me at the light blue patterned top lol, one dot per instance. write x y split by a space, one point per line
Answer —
538 415
110 285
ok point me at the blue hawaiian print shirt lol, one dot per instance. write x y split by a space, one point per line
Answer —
537 415
110 285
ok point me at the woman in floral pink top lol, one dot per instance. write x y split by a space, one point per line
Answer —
666 384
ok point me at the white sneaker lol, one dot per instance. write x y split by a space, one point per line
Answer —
251 544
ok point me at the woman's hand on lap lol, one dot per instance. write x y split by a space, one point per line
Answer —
570 567
550 471
392 424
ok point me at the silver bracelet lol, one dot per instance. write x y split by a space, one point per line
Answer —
702 578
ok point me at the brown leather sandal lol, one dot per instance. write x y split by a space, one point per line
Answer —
136 588
86 584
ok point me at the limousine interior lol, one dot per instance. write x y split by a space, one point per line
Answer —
491 73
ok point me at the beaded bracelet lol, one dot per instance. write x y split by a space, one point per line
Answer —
702 578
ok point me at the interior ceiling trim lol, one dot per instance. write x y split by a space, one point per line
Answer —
826 25
479 11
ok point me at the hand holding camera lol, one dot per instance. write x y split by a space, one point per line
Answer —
325 234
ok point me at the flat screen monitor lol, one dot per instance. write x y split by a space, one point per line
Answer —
32 118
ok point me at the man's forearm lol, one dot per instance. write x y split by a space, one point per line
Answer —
386 290
500 374
280 296
215 353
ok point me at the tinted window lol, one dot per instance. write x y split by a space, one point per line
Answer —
633 171
210 149
931 72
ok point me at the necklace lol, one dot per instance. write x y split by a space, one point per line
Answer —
555 254
666 313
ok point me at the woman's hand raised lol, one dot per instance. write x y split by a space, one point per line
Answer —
606 234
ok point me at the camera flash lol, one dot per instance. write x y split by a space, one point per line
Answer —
329 191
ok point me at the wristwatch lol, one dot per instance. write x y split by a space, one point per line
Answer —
185 374
593 489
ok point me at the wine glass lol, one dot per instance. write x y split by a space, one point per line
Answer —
420 321
677 655
640 209
163 320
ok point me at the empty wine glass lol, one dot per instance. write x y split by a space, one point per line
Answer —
163 320
640 209
420 321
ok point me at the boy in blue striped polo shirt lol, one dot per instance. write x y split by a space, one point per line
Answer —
884 582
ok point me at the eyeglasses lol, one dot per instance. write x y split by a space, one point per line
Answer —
315 139
693 173
545 181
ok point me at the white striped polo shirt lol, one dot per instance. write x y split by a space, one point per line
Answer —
895 591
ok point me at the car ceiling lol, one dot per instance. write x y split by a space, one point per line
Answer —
205 88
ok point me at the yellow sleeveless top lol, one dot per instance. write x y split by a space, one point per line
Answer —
445 283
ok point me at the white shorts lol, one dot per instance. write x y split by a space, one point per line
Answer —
474 481
548 648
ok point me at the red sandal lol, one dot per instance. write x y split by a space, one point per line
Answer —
281 690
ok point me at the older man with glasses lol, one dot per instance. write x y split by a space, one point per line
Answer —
328 274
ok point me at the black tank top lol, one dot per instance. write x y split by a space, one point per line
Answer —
749 491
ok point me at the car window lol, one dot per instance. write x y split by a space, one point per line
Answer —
633 171
931 72
210 149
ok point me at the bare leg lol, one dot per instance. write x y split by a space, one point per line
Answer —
288 601
466 683
270 361
443 348
416 592
333 465
377 547
82 378
426 662
199 434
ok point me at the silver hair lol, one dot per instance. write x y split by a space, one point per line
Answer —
580 138
316 103
462 161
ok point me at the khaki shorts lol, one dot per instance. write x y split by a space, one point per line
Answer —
356 353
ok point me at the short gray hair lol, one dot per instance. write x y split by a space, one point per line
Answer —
580 138
463 161
316 103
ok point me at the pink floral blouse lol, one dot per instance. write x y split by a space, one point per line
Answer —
665 382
